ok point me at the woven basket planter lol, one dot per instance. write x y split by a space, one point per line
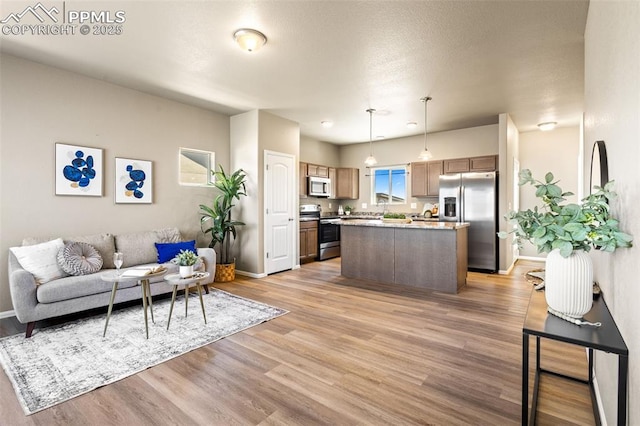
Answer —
225 272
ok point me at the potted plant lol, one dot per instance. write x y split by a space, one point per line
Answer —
186 259
348 209
216 220
566 232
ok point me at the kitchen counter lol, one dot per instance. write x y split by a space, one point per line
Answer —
428 255
416 224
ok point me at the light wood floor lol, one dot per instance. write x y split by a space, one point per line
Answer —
348 353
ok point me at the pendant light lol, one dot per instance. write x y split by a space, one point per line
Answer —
425 154
371 160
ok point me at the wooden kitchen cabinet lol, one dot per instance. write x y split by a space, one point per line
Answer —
425 178
304 182
456 165
317 170
308 240
487 163
346 184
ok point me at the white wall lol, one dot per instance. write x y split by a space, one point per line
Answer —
612 114
252 133
556 151
41 105
509 148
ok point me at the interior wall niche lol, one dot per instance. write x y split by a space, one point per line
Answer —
196 167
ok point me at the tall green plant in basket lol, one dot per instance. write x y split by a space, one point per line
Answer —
216 220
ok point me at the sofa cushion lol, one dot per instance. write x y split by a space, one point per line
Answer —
167 251
104 243
72 287
41 260
79 259
139 247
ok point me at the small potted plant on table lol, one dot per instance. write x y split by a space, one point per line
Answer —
186 259
348 209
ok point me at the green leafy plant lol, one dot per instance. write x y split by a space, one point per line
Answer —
394 216
349 208
570 226
186 258
216 220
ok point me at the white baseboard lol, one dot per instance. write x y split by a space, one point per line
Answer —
7 314
250 274
534 258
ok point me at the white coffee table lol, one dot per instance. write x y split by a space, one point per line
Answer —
116 278
176 280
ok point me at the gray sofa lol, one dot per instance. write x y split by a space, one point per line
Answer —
34 302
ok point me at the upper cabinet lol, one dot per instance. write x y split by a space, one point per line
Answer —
304 182
425 175
487 163
425 178
317 170
346 184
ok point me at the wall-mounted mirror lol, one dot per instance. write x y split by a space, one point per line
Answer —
599 166
196 167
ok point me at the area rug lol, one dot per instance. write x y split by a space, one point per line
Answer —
65 361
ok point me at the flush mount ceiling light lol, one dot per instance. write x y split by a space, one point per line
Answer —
371 160
326 124
425 154
550 125
412 124
249 40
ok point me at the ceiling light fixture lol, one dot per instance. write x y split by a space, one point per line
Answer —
412 124
371 160
425 154
549 125
249 40
326 124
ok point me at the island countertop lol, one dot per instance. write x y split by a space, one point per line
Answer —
414 224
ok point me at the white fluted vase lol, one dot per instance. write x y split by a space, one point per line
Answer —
568 283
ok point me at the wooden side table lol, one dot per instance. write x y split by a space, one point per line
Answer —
176 280
144 286
538 322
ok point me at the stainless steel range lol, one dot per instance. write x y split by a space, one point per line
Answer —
328 230
329 237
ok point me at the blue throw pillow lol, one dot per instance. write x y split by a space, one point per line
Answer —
167 251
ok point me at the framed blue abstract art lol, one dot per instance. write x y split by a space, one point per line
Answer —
134 183
78 170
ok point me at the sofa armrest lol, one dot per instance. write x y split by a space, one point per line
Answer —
208 255
23 287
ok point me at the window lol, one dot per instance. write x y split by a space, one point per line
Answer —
389 185
196 167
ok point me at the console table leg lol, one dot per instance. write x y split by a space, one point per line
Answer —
525 379
623 367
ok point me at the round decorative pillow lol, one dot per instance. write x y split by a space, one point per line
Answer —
79 259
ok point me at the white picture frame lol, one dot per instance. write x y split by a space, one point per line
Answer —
133 181
78 170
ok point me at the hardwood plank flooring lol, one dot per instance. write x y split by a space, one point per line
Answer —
350 352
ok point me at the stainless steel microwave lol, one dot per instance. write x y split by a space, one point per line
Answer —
319 186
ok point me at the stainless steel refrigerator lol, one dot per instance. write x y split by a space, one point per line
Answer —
473 198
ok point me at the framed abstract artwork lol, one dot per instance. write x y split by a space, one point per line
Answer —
78 170
134 184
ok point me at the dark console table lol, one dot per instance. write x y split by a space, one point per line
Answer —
605 338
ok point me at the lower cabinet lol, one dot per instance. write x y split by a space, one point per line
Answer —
308 241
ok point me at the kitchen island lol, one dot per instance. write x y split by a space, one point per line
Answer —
428 255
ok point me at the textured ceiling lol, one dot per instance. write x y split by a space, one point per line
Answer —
331 60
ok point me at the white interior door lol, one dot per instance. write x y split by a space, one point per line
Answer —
279 193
